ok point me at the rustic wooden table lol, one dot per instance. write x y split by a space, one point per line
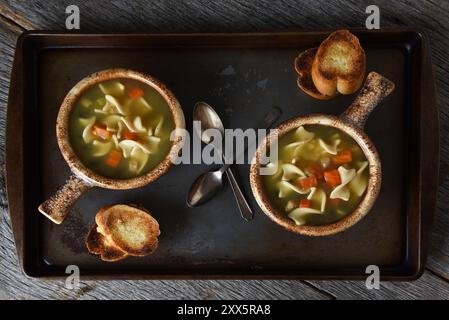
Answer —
430 16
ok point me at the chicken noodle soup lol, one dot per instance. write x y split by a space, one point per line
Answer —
320 177
121 128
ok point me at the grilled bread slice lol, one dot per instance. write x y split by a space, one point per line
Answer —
303 67
339 64
132 230
97 244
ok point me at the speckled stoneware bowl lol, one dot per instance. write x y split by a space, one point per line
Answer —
352 122
82 179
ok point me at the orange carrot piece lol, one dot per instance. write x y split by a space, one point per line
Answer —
114 158
332 177
309 182
315 169
135 93
304 203
344 156
101 131
334 202
128 135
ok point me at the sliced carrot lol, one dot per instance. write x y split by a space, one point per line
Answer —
309 182
332 177
114 158
135 93
304 203
128 135
344 156
315 169
100 131
334 202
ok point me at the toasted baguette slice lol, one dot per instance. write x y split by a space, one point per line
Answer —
97 244
303 66
339 64
131 229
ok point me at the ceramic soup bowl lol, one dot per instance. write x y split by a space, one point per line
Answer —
351 122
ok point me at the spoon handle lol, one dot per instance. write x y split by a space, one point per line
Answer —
269 119
245 209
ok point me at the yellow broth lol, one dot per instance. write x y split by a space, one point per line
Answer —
93 100
313 152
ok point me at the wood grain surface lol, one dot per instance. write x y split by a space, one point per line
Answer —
230 16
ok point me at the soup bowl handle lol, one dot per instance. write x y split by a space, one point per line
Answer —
375 89
58 206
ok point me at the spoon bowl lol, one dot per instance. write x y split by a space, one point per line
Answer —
204 188
209 119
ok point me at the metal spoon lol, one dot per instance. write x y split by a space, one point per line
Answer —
209 119
209 183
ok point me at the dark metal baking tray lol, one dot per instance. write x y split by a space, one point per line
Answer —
243 76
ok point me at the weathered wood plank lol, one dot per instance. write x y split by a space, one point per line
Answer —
143 290
203 16
428 287
15 18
